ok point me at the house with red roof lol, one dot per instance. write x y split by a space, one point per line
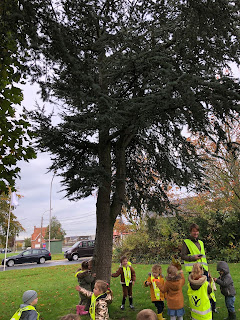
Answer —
37 238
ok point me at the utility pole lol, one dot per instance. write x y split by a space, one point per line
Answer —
50 213
41 231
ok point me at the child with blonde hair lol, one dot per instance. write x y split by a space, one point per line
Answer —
146 314
198 293
100 298
157 296
173 288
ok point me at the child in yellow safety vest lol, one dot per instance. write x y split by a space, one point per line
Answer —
128 278
85 280
173 289
198 292
212 296
100 298
27 310
157 296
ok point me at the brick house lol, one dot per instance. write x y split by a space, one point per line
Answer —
37 238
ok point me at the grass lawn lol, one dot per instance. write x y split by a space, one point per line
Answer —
57 295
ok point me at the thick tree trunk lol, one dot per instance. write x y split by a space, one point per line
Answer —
104 242
107 212
102 258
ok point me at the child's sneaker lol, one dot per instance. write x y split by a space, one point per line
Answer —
131 306
122 307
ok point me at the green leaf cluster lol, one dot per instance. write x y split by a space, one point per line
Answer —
15 132
15 226
56 231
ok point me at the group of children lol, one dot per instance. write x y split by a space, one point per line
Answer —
95 295
201 295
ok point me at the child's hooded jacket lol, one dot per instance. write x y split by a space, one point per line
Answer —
173 288
102 302
225 281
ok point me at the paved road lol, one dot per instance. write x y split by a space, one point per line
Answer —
46 264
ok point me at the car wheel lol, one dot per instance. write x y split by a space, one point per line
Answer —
75 257
70 259
42 260
10 263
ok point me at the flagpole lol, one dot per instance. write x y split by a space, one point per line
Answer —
9 217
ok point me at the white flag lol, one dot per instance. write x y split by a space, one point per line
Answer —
14 199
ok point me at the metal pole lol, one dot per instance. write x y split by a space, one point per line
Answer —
9 217
41 232
50 212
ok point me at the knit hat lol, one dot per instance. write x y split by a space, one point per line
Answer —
29 296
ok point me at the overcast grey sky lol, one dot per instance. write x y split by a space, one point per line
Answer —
77 218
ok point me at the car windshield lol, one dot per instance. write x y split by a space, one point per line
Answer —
76 245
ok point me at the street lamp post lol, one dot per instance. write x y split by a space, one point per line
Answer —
50 212
42 228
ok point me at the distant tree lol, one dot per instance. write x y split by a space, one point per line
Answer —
57 231
15 226
130 77
27 242
120 226
219 206
15 133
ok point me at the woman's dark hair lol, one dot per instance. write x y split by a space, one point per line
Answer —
194 226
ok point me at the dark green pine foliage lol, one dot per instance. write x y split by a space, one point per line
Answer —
131 76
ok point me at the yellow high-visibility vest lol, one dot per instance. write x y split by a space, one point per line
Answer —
17 315
127 275
212 294
81 271
155 287
93 305
193 249
199 303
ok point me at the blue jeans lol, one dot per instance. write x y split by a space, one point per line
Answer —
230 303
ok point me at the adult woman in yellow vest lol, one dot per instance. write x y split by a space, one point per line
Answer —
198 291
193 251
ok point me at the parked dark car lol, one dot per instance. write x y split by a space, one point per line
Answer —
28 256
83 248
3 250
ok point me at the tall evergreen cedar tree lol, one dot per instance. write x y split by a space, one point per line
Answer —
130 77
